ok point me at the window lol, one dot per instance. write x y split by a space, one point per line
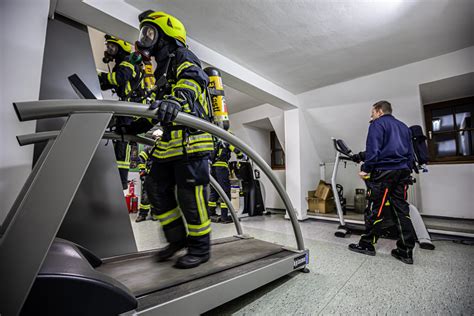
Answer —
450 131
278 155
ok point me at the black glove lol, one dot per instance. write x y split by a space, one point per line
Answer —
360 157
167 110
104 82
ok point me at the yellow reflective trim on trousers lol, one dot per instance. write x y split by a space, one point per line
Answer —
378 221
129 65
201 233
183 66
201 226
145 206
168 217
199 230
224 205
220 164
212 204
141 166
199 203
123 164
128 151
203 203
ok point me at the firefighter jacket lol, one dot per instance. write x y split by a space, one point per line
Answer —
144 161
186 83
124 79
222 154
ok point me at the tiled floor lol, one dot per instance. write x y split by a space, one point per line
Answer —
440 282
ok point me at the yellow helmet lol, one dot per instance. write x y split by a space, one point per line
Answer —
170 25
124 45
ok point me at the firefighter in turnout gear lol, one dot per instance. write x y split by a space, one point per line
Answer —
220 171
144 167
180 158
124 80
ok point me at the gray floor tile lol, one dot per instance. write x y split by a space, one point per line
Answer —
342 282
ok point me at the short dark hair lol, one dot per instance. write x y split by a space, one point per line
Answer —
383 105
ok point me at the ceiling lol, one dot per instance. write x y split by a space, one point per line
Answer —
301 45
238 101
264 124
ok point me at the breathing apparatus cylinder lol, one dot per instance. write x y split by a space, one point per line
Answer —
217 98
149 76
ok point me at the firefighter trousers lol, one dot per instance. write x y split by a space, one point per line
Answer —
122 155
221 174
145 205
179 188
389 186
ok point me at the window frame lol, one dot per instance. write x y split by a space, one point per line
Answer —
428 109
273 150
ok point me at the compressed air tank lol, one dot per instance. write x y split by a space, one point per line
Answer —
217 98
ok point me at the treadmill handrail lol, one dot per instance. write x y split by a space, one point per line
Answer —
33 138
56 108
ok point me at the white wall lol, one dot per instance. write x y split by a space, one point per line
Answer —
23 33
342 111
302 168
347 176
259 140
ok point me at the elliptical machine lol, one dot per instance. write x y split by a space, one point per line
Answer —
344 153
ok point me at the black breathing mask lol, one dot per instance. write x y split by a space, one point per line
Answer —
110 53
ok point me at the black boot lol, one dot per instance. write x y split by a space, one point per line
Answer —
140 218
227 220
190 261
215 218
363 249
403 258
169 251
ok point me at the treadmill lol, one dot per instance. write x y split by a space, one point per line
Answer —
344 153
42 273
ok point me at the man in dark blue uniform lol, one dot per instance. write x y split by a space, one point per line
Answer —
387 169
180 157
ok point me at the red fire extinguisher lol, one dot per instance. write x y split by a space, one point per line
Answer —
131 199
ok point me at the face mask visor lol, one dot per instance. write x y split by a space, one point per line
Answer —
111 49
148 36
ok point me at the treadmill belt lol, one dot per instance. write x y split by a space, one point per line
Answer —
143 275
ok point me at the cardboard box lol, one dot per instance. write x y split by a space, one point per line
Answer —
317 205
323 191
